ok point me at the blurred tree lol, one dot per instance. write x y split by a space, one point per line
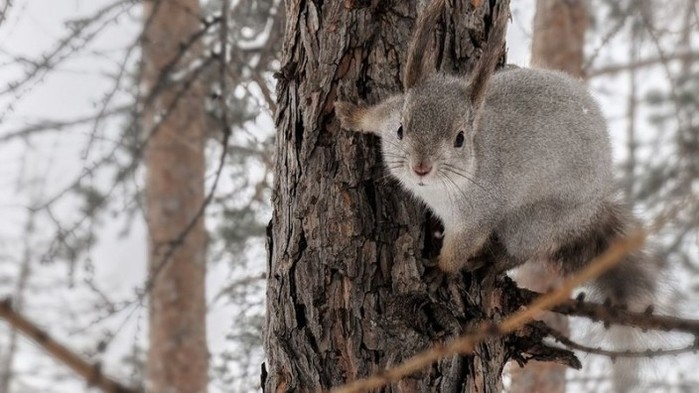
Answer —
558 41
203 84
174 121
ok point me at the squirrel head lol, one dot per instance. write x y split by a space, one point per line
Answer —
428 132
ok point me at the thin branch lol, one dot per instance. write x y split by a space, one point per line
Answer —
107 100
140 149
55 125
90 372
5 9
634 65
266 92
617 315
606 39
649 353
56 55
6 368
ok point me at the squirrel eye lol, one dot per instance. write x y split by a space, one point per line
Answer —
400 132
459 140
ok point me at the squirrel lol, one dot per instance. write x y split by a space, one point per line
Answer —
521 155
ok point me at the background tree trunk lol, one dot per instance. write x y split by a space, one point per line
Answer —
347 291
557 44
178 356
559 35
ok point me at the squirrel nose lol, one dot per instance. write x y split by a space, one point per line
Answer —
422 168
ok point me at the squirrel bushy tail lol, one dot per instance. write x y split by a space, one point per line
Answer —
632 282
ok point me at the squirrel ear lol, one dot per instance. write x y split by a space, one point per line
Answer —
492 52
418 65
350 115
372 119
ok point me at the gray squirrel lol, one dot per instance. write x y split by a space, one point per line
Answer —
521 155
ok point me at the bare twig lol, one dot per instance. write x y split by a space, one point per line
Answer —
55 125
641 63
3 11
649 353
606 39
90 372
617 315
68 43
6 368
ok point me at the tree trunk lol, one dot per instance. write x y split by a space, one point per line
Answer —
349 290
559 35
174 121
557 44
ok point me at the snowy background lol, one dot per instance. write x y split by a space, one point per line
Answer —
88 299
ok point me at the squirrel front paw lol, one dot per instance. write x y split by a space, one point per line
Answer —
455 256
449 260
448 264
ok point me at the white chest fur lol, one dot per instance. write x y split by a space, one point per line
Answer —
443 202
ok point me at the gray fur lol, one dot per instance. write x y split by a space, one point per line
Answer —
534 171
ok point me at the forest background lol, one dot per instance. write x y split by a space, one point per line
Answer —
74 109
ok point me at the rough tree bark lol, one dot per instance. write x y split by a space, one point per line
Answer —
348 289
557 43
178 356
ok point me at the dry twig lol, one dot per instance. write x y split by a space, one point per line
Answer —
90 372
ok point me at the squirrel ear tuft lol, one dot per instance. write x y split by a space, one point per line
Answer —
418 63
490 56
373 119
